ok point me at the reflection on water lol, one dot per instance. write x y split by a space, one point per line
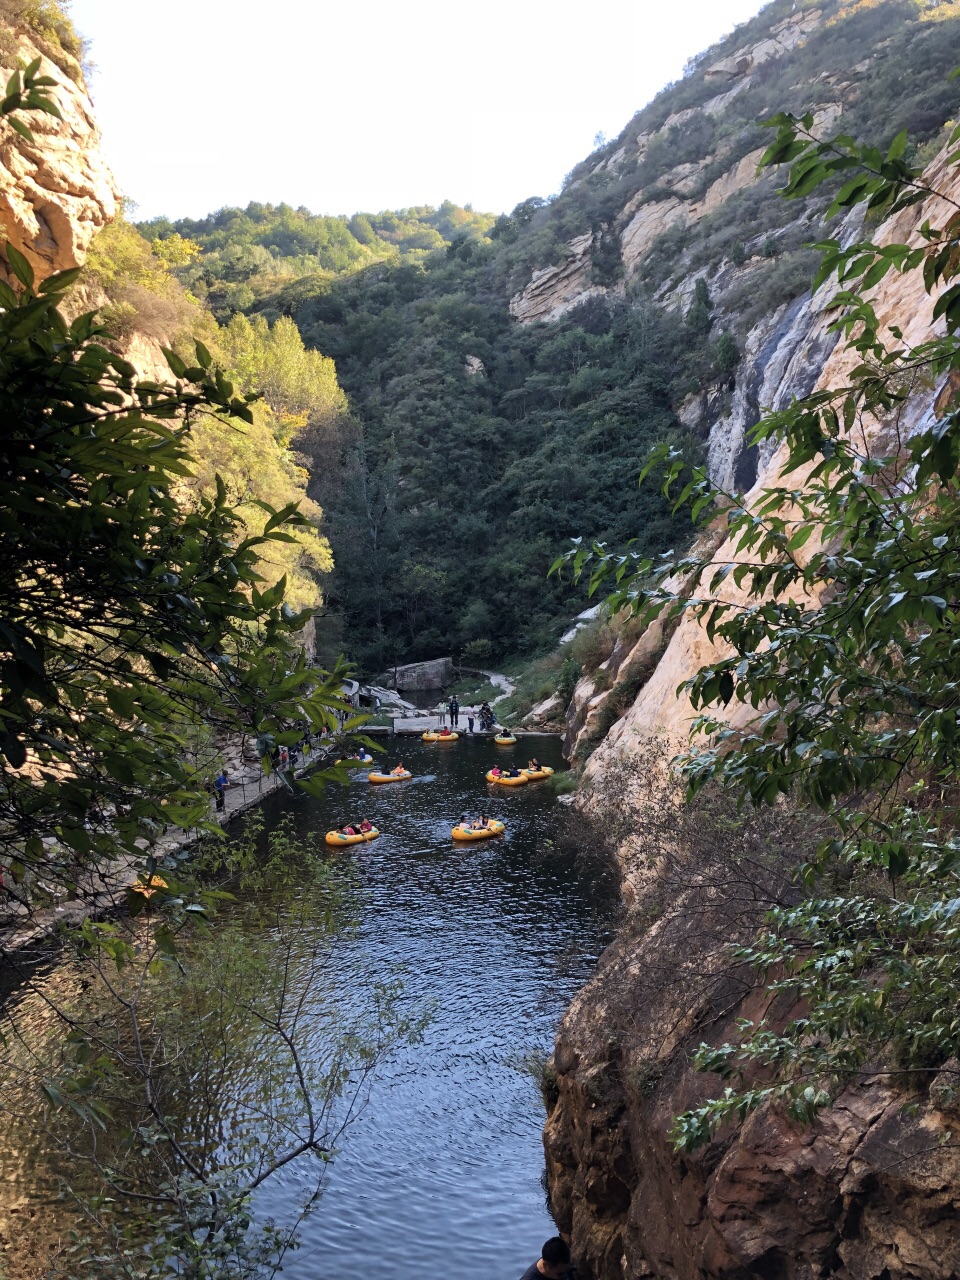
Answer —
444 1164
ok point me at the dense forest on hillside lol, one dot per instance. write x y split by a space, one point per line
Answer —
481 445
476 447
237 257
140 298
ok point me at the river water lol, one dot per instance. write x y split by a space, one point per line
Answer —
442 1170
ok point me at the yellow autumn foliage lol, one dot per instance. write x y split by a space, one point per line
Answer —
298 387
256 467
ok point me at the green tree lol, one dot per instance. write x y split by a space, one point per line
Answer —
299 385
699 318
132 609
726 354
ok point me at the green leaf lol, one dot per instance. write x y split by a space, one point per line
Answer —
19 265
121 701
60 280
898 146
19 127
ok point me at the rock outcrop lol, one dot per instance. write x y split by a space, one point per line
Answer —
783 37
435 674
555 290
56 192
871 1191
783 349
868 1193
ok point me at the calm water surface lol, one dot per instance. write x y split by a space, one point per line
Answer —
444 1164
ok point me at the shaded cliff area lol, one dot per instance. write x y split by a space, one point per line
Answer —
870 1190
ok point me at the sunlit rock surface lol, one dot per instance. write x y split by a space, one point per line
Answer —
56 192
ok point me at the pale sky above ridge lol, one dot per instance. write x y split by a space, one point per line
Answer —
345 107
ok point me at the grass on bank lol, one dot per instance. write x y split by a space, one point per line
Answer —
473 690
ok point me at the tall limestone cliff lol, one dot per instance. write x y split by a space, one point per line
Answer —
677 197
57 192
872 1190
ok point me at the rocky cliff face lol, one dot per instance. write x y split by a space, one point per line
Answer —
681 224
56 192
870 1192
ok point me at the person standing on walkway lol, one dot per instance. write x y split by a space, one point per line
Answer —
454 712
471 716
220 784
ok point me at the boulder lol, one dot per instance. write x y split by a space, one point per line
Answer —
435 674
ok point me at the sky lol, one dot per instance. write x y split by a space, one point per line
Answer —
366 105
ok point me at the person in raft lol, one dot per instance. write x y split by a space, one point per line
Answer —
401 768
513 773
534 765
478 824
357 828
553 1263
444 732
496 772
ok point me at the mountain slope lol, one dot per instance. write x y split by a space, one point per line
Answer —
663 294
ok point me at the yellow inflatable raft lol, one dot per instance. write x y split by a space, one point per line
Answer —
430 736
504 742
507 782
337 837
354 762
389 777
536 774
495 828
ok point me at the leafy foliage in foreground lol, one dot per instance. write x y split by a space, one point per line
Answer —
190 1062
132 609
837 618
133 615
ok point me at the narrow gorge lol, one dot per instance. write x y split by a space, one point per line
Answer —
431 403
